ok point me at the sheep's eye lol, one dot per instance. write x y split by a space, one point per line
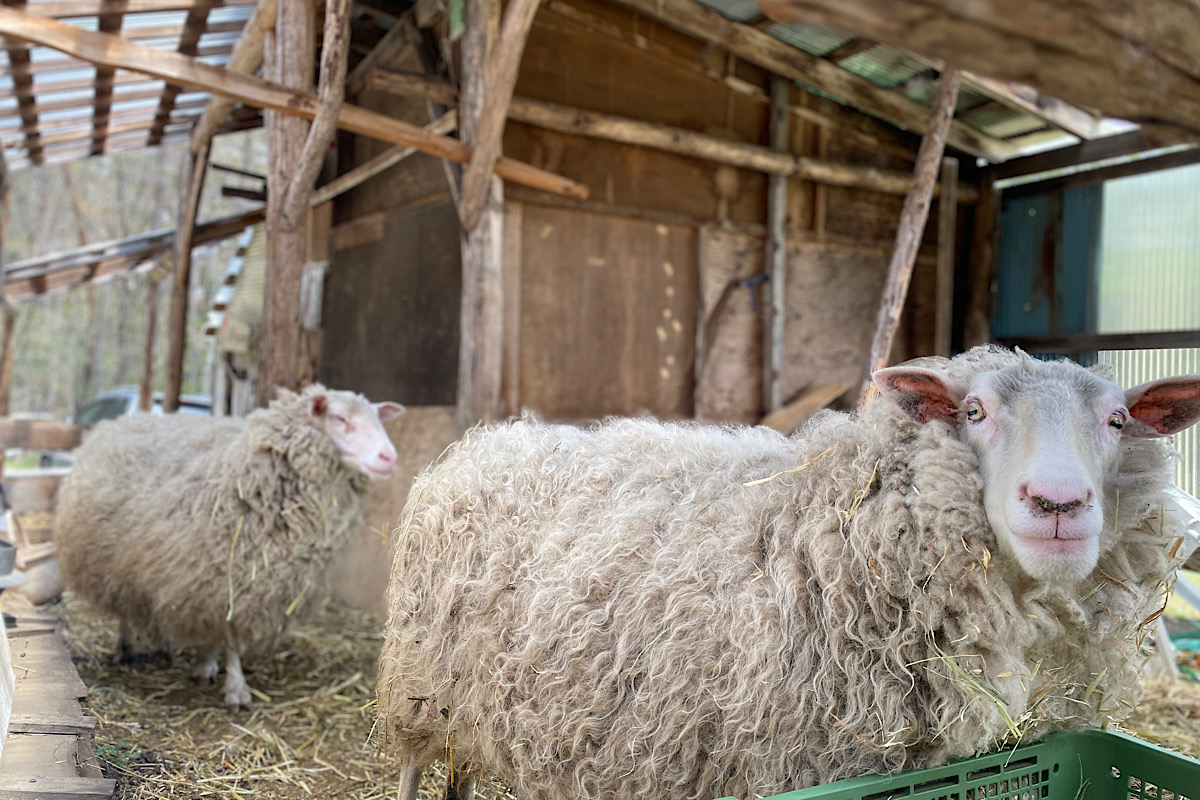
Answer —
1116 421
337 418
975 412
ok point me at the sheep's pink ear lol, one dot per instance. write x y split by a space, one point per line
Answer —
1164 407
922 394
388 410
320 404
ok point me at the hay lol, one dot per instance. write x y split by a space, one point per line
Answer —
1169 715
162 735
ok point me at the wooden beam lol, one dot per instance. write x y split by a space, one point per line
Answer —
7 348
22 79
288 61
669 139
245 58
481 339
978 323
848 50
1086 342
109 22
1075 121
388 46
13 787
775 56
908 234
502 78
196 166
788 418
1104 54
947 251
99 48
330 93
776 254
146 386
385 160
64 9
189 43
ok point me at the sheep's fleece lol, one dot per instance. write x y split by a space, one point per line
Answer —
177 523
614 613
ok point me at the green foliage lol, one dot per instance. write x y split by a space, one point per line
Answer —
119 753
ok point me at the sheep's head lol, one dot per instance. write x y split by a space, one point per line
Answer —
356 427
1048 438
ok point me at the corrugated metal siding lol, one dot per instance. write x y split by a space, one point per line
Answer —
1135 367
1150 281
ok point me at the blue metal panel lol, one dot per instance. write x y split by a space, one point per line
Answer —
1046 263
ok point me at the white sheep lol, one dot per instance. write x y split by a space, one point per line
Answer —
677 611
218 533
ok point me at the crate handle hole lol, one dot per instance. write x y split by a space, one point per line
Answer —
1116 773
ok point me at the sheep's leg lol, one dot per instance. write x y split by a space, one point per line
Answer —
463 788
410 782
124 645
165 653
207 670
237 693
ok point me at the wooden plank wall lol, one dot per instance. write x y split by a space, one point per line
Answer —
584 342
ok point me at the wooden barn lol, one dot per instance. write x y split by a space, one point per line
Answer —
690 209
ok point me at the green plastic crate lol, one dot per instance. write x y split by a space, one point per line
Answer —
1083 765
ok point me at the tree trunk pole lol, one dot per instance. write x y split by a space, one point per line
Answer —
291 64
776 252
943 327
482 316
145 391
195 166
912 225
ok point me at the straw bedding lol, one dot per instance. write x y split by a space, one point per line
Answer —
161 735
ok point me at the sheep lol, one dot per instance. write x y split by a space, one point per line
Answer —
217 532
678 611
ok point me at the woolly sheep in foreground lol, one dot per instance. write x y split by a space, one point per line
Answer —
678 611
219 532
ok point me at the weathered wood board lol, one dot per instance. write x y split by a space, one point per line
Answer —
608 315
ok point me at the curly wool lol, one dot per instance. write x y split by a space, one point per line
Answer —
199 528
614 613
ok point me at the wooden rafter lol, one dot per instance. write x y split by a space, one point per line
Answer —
245 57
391 42
502 79
110 19
22 78
113 51
65 9
680 141
1135 62
909 230
189 43
775 56
70 64
24 278
849 50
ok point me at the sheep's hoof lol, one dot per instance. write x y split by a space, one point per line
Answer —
206 673
238 700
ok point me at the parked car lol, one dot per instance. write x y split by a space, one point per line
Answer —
117 403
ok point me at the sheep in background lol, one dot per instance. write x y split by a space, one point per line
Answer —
679 611
219 532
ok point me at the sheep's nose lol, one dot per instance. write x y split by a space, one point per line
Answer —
387 457
1056 498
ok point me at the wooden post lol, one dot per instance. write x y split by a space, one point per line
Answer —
289 59
946 252
330 93
977 326
501 79
776 254
481 339
145 392
195 166
912 225
7 350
